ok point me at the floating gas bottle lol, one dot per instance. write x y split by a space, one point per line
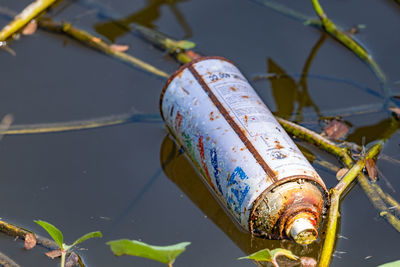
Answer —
178 168
245 157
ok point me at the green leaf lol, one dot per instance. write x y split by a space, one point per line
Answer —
270 255
86 237
391 264
164 254
53 232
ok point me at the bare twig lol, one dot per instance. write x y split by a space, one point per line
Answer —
30 12
98 44
5 261
81 124
16 231
349 42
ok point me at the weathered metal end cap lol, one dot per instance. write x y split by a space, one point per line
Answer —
303 231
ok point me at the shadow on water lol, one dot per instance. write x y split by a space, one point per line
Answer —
180 171
147 16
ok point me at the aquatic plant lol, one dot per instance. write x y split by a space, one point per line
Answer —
57 236
163 254
270 255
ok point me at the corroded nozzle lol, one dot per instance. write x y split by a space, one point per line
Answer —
302 230
290 210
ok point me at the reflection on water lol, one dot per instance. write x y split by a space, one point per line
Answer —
177 167
381 130
146 17
290 94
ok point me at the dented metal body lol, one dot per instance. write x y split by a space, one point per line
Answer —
244 155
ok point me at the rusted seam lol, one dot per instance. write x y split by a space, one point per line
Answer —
271 174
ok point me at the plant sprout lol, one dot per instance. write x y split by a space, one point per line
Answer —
59 239
270 255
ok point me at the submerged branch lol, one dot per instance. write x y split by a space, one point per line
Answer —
5 261
30 12
81 124
290 12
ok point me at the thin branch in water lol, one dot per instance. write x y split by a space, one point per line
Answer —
316 139
98 44
5 261
29 13
78 125
335 194
16 231
394 205
350 43
174 47
290 13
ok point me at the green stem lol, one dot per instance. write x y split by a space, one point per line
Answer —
336 193
349 42
29 12
316 139
63 253
98 44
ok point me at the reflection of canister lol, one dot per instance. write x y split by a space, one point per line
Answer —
244 155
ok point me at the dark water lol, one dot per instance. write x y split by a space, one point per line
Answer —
112 180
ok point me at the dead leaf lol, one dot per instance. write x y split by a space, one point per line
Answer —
192 54
308 262
6 122
395 110
336 129
30 241
30 28
54 253
119 48
341 173
371 169
353 30
72 260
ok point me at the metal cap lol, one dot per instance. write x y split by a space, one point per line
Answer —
303 231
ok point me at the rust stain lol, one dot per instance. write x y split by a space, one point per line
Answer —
185 91
179 75
212 116
278 145
245 96
246 119
233 89
232 123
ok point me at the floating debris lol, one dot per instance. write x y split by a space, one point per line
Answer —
242 152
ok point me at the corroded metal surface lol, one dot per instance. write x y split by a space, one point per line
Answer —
240 149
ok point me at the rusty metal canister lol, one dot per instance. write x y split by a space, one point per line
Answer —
245 157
